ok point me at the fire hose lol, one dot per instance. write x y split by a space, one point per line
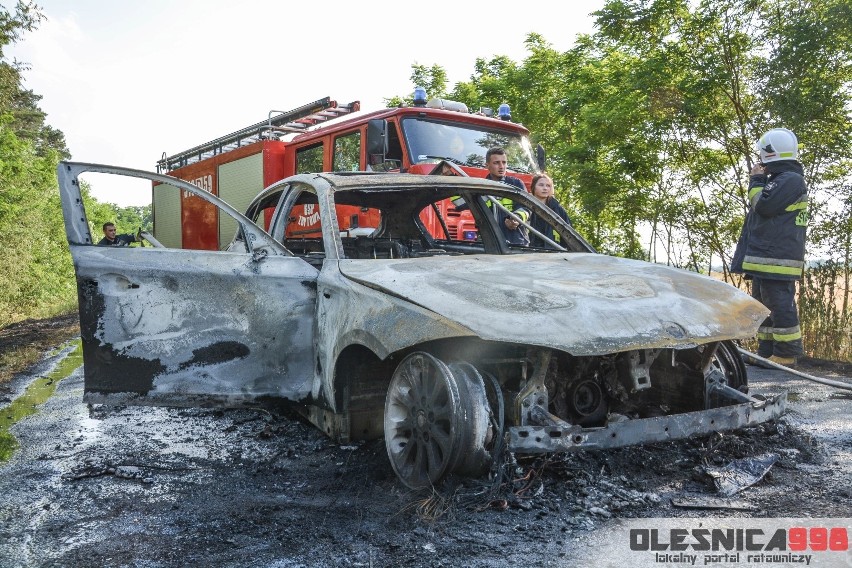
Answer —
767 364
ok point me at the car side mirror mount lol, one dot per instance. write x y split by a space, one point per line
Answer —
540 156
377 141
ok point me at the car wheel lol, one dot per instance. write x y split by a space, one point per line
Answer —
435 418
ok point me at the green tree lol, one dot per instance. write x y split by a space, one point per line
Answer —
433 79
650 123
27 119
31 224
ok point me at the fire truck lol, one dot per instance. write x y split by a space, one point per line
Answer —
324 136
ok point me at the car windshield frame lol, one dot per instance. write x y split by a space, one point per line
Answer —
479 197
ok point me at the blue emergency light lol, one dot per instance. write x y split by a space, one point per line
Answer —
419 96
469 235
504 112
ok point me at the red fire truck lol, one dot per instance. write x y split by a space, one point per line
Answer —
325 136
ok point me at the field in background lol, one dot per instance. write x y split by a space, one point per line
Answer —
825 311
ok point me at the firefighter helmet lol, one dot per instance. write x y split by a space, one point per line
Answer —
778 144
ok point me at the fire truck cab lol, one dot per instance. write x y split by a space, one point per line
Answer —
324 136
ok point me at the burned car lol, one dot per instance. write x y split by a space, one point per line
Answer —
449 343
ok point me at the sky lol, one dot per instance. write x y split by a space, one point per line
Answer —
128 81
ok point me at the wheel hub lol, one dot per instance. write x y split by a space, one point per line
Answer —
422 420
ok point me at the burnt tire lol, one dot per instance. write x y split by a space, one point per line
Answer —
473 459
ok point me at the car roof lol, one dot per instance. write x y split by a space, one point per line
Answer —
382 181
397 181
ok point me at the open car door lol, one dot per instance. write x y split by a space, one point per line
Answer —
188 327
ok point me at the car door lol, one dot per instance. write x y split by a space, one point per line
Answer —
189 327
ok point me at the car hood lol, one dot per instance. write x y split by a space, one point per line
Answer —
585 304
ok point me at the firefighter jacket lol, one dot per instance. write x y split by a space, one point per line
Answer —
772 242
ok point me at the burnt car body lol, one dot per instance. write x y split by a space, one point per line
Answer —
448 347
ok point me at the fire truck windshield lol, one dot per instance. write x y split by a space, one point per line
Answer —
430 141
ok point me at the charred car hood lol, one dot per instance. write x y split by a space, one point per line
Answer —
586 304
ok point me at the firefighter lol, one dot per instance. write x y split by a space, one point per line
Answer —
771 248
515 233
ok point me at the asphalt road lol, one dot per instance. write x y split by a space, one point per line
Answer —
157 487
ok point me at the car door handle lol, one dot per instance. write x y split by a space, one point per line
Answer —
92 284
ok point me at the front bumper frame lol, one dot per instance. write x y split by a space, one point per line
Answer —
542 439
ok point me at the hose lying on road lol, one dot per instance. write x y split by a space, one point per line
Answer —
767 364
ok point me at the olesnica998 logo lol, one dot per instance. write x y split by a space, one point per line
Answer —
791 545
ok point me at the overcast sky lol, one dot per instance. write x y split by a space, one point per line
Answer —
128 80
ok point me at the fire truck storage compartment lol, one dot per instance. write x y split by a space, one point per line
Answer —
185 221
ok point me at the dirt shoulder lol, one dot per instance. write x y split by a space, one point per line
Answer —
25 342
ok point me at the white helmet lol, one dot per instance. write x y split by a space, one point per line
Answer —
778 144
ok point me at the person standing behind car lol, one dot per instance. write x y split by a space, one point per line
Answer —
112 240
515 233
542 189
771 247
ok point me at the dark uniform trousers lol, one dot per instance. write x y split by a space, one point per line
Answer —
779 334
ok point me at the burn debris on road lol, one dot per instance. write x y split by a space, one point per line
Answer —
740 474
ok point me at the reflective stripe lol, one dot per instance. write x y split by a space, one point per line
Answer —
786 330
747 266
753 191
785 154
762 260
773 265
504 201
797 206
764 332
787 336
780 333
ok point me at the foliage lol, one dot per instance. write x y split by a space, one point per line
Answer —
27 119
825 311
433 79
31 225
41 282
650 123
